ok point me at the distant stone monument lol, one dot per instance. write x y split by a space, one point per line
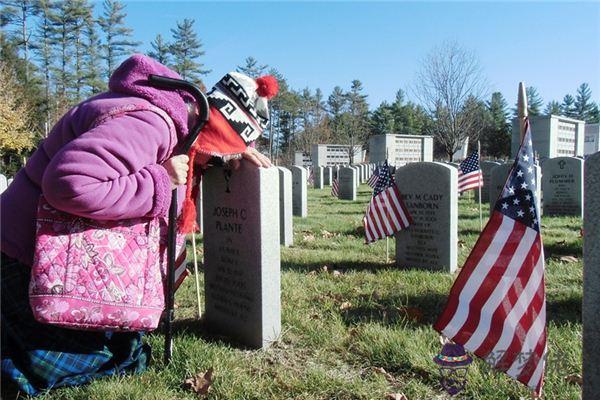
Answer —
347 183
498 176
318 177
241 254
486 171
299 193
562 185
286 228
328 176
591 280
429 193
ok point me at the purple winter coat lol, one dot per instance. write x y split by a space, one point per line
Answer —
102 160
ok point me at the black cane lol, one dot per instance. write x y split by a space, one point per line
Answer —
164 82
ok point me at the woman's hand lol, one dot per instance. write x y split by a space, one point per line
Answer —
254 156
177 167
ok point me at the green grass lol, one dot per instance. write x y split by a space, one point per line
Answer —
330 351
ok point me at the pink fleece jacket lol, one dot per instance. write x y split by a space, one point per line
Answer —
102 159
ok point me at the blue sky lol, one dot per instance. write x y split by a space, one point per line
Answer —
552 46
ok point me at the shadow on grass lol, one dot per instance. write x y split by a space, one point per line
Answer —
342 266
557 249
424 309
469 232
198 328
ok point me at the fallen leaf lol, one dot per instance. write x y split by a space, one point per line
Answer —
201 383
353 332
325 268
312 273
382 371
336 273
574 379
569 259
327 234
414 313
581 233
561 243
308 238
395 396
315 316
345 305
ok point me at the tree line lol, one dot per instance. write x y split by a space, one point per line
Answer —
56 53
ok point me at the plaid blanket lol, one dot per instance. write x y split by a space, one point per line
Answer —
37 357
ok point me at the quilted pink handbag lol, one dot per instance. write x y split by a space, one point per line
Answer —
100 275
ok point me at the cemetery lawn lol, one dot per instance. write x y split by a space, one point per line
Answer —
355 327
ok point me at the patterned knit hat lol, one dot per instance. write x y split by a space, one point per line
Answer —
239 113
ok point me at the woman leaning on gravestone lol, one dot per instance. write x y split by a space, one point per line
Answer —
112 157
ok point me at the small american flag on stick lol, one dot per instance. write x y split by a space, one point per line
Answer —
386 213
497 306
469 173
373 179
335 187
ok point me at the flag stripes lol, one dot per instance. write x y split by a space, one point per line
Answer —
469 181
385 215
497 306
335 188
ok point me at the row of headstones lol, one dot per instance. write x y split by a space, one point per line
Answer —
559 184
324 176
244 219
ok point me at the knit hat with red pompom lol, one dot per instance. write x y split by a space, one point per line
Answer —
239 113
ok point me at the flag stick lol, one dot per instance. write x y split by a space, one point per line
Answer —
480 213
196 273
522 108
387 249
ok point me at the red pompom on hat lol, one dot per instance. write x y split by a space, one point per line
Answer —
239 113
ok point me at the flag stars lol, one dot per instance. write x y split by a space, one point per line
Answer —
511 190
519 173
523 185
528 197
520 213
525 158
532 209
504 206
530 169
516 202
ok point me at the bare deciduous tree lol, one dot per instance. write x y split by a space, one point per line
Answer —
449 79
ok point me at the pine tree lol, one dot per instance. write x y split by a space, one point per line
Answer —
20 13
252 68
553 108
355 122
186 50
583 104
80 12
161 51
118 37
44 50
93 81
568 106
495 140
61 20
382 120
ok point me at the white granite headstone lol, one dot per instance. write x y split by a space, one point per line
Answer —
562 185
429 193
347 183
241 254
328 176
299 192
285 207
318 177
591 280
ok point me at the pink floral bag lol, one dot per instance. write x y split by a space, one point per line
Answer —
100 275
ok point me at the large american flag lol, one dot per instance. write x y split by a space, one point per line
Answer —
497 305
335 188
373 179
469 173
386 213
